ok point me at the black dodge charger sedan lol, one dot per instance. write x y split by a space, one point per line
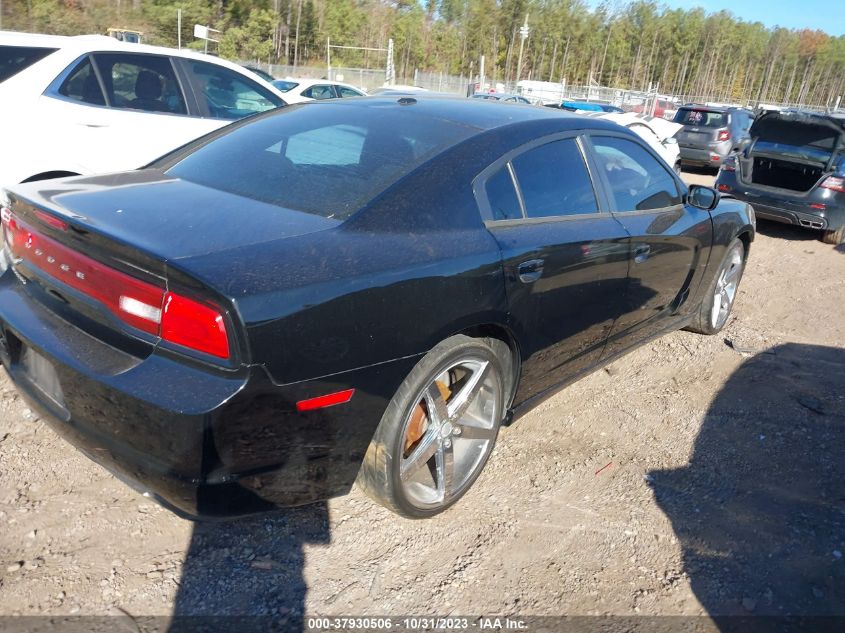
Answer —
349 289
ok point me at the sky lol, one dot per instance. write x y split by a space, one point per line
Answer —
825 15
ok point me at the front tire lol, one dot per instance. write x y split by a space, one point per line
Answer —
835 236
438 430
718 301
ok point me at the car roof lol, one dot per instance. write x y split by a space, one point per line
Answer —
482 114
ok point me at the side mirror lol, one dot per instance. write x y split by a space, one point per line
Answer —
671 140
703 197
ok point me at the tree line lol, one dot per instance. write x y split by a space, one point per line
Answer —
632 46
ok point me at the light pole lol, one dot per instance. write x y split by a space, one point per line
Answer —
523 34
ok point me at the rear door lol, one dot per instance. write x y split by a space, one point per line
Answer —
667 238
117 111
565 257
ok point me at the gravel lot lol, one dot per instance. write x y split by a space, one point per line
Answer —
692 476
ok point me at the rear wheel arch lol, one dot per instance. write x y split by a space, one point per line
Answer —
504 343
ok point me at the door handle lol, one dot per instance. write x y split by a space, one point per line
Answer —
530 271
641 253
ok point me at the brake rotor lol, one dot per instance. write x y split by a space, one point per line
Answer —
419 419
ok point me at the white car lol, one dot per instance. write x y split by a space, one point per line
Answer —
657 132
90 104
297 90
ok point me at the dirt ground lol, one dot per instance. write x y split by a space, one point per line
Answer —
697 475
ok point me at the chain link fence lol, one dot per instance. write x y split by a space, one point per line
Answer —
647 101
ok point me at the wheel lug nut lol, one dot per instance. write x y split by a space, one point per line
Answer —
456 431
447 442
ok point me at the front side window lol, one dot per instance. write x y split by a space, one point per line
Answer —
82 85
14 59
637 180
554 180
140 82
225 94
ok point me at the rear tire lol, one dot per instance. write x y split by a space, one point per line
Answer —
718 301
835 236
438 430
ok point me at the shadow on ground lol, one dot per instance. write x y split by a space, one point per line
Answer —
236 570
760 509
788 232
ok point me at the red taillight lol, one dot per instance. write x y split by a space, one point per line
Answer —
329 400
817 205
195 325
834 183
725 135
724 188
142 305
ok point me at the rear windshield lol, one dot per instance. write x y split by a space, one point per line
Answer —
14 59
324 159
701 118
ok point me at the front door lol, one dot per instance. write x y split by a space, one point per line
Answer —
667 239
565 259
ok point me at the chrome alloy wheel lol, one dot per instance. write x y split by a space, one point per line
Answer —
449 432
726 286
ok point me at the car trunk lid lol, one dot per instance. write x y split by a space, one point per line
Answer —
792 151
702 126
112 254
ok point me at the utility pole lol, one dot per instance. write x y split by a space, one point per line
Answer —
523 34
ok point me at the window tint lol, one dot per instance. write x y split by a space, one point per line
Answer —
554 180
140 82
637 180
14 59
327 161
319 92
348 92
226 94
701 118
502 196
82 85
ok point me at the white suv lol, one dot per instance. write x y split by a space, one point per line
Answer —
92 104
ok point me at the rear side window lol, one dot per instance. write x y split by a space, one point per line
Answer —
554 180
141 82
82 85
637 180
701 118
501 195
319 92
225 94
14 59
348 92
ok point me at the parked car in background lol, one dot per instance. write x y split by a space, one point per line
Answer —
710 134
663 108
254 327
90 104
297 90
399 89
793 171
505 97
657 132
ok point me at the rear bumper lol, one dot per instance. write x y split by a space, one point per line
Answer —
203 442
784 209
712 156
